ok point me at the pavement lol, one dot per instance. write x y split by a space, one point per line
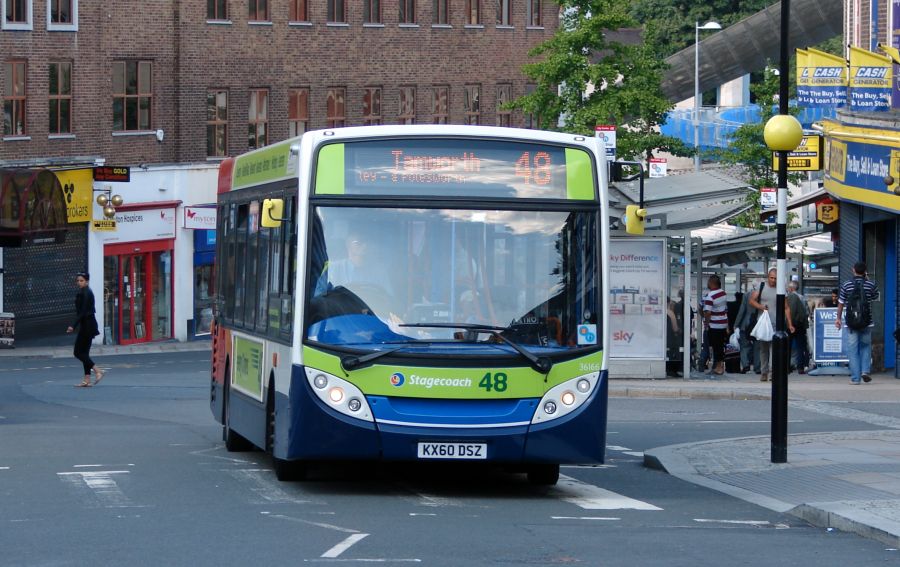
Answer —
846 480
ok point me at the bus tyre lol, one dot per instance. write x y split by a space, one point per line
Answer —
543 475
234 442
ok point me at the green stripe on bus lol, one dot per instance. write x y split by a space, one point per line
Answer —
330 170
263 166
579 175
453 383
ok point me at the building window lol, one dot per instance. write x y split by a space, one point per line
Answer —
534 13
472 104
504 115
335 112
441 13
504 12
440 104
259 11
216 9
14 98
372 12
298 11
473 12
407 113
62 14
298 111
132 95
372 105
60 97
257 118
407 11
336 11
217 123
17 14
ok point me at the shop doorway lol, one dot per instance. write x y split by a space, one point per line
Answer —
138 296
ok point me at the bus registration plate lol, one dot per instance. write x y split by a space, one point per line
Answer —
452 451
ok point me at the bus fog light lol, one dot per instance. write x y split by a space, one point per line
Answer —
583 386
354 404
550 408
320 381
336 395
567 398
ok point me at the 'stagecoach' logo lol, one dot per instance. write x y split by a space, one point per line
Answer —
397 379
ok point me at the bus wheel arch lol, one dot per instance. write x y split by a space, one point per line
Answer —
234 442
543 474
284 470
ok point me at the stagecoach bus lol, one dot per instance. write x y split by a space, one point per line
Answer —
414 293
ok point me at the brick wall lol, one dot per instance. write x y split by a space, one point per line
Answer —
191 55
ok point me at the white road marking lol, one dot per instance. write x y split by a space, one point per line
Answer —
4 468
343 546
634 453
744 421
617 448
102 486
362 560
584 518
739 522
591 497
263 486
416 514
318 524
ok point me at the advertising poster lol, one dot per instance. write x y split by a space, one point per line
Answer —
895 43
829 343
247 372
871 76
827 79
637 298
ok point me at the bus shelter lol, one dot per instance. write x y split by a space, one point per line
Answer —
655 279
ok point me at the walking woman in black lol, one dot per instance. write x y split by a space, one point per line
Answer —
86 324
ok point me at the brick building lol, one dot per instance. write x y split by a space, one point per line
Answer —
159 85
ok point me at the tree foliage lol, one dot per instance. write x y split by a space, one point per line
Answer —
747 149
584 79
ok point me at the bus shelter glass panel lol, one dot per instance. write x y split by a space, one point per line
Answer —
384 276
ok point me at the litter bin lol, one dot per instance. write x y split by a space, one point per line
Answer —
7 330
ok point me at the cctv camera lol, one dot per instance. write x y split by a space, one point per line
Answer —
160 135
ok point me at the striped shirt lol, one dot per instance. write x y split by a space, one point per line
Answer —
870 289
716 302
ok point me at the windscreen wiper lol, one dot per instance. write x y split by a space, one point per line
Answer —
353 362
542 364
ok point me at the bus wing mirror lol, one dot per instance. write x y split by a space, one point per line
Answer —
272 213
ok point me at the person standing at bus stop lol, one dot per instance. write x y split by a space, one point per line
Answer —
764 299
86 325
715 321
859 337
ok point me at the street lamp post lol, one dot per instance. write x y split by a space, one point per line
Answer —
783 134
697 28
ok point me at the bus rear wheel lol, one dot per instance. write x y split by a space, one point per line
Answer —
284 470
543 474
234 442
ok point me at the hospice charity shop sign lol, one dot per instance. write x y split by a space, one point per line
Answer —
637 299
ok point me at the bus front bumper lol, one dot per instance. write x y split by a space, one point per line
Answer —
321 433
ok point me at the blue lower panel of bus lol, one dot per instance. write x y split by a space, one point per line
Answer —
504 426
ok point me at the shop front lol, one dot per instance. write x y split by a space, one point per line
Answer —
202 221
863 176
138 275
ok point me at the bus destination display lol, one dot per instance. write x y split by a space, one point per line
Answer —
449 167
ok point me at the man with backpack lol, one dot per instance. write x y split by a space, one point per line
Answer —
855 304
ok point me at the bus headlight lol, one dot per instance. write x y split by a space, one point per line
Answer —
339 394
564 398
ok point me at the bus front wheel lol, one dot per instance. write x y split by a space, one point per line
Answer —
543 474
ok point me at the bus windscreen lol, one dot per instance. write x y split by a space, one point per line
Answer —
455 168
